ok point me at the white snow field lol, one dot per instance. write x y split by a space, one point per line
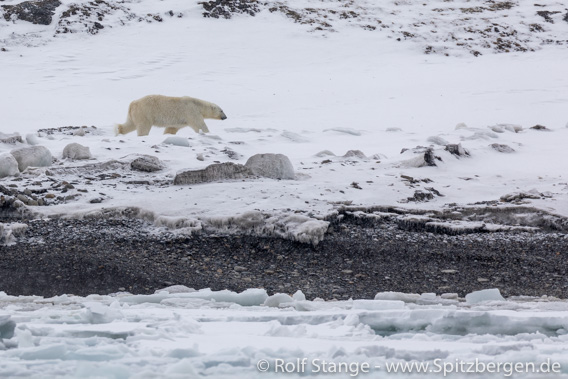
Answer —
313 91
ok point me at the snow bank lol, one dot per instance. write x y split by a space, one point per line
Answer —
294 227
8 165
248 297
33 156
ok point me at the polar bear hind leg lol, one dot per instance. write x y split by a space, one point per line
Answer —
171 130
143 129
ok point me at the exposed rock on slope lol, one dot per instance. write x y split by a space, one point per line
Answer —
37 12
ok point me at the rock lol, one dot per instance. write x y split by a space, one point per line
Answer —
518 196
457 150
79 132
501 128
502 148
327 153
176 141
32 139
225 9
8 165
37 12
23 198
11 139
425 157
231 153
213 173
420 196
34 156
76 151
275 166
355 154
540 127
147 163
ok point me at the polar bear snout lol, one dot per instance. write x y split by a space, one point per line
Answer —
223 116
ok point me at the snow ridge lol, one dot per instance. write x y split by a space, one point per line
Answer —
449 27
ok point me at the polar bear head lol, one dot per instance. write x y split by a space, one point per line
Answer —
213 111
217 113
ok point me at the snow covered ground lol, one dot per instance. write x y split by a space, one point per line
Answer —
287 89
298 89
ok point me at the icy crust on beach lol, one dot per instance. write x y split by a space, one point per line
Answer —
179 331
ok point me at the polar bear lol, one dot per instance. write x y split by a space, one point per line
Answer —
173 113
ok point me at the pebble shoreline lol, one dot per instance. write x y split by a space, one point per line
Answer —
357 259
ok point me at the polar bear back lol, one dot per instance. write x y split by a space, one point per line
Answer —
161 110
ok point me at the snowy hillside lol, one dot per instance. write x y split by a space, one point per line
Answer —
447 27
342 103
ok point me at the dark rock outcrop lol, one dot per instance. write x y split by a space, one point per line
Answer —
37 12
213 173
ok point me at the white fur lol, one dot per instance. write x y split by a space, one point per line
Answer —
173 113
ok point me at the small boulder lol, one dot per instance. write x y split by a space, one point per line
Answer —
502 148
275 166
457 150
540 127
147 163
8 165
176 141
37 12
213 173
32 139
34 156
11 139
327 153
355 154
76 151
424 156
420 196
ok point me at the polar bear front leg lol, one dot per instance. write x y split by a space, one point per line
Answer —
199 124
171 130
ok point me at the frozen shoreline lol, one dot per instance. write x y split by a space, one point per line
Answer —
358 257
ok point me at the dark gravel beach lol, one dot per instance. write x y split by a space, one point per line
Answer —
357 259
